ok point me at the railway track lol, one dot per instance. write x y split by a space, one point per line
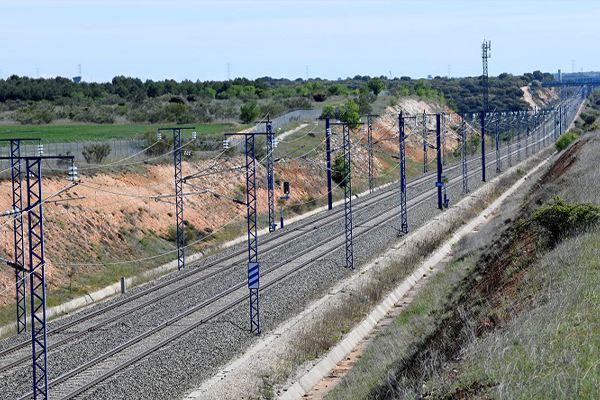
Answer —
77 380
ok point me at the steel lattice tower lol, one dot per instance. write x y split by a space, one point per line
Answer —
486 47
178 198
253 266
402 154
17 205
37 266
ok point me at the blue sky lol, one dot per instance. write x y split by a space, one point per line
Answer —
197 39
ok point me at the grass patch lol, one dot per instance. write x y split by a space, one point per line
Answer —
92 132
512 318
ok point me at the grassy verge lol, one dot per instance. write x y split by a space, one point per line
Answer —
68 132
513 315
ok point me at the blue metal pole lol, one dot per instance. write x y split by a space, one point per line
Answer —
370 151
425 163
402 150
498 160
465 175
37 279
519 126
510 135
17 205
483 146
348 196
253 265
527 133
328 149
270 177
438 141
179 198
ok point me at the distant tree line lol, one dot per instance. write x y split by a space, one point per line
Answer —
38 101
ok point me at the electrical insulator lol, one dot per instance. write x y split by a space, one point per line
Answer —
316 122
187 153
364 130
159 136
225 144
194 135
328 131
40 149
72 172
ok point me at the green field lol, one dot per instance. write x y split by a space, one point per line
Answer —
69 132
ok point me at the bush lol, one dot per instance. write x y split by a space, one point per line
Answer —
565 140
562 219
191 234
95 153
157 148
337 174
249 112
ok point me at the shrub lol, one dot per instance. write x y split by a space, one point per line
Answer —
562 219
94 154
249 112
565 140
338 170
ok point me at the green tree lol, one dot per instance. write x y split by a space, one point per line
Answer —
376 85
348 112
249 112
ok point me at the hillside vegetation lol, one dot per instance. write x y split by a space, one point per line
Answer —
26 100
